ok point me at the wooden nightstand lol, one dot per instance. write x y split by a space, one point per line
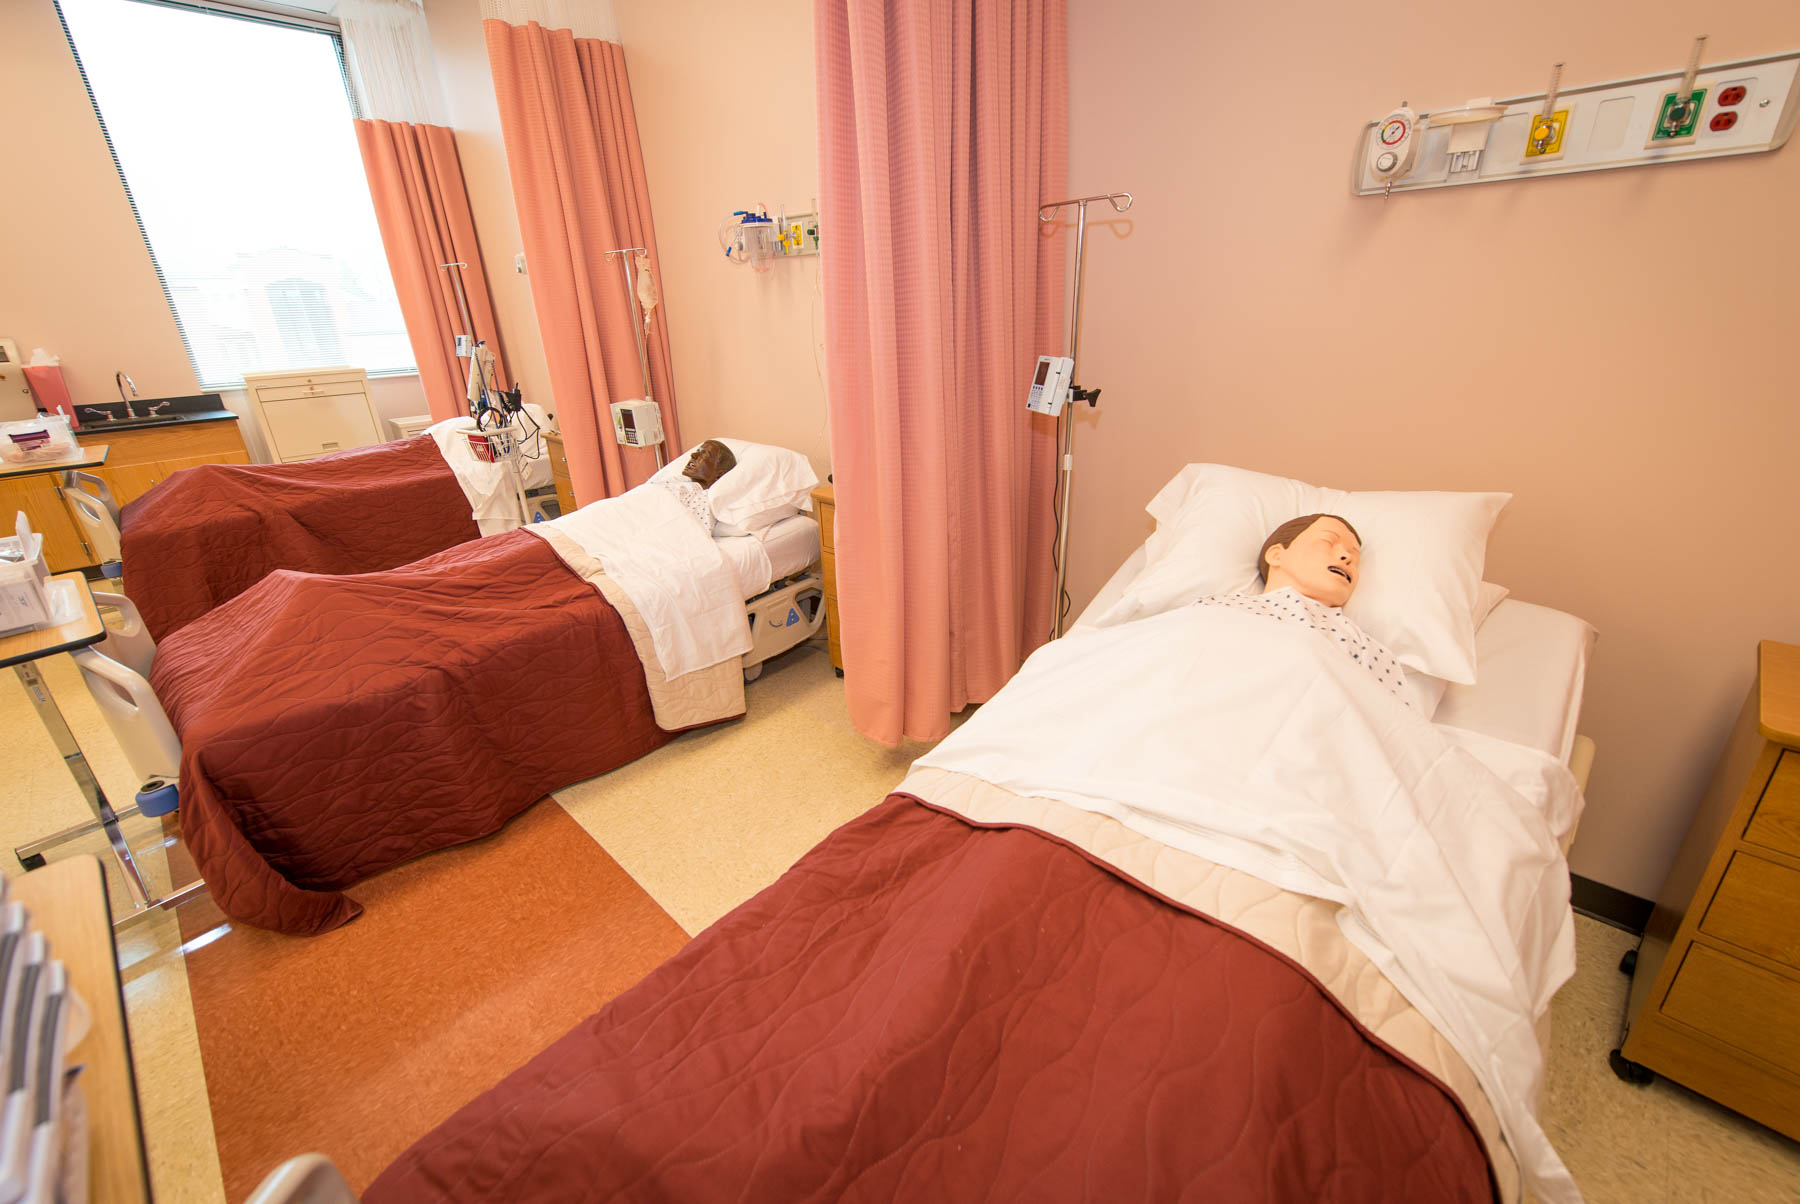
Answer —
1715 996
559 471
825 510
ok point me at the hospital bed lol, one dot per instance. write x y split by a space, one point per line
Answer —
971 994
328 727
206 534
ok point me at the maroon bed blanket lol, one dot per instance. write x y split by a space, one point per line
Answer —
333 727
926 1010
209 533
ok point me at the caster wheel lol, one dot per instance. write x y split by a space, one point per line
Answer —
1628 963
839 672
33 862
1629 1071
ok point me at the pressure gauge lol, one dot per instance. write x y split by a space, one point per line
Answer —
1396 142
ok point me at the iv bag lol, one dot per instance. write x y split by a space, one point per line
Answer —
646 289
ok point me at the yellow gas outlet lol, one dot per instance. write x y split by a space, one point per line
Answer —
1544 138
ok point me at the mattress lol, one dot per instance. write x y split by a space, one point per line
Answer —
782 550
1530 666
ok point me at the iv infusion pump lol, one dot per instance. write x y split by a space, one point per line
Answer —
1050 385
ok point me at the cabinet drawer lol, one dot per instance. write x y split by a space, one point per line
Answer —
1776 824
174 442
316 426
826 516
1740 1004
1755 907
322 389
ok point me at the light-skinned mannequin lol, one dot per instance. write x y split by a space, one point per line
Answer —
1319 556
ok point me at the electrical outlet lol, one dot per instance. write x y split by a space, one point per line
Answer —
1677 120
1544 138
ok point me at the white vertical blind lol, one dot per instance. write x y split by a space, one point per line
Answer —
235 142
387 48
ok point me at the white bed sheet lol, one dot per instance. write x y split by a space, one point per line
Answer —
780 551
1531 670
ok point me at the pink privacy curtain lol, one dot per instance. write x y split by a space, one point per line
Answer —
416 182
943 124
578 182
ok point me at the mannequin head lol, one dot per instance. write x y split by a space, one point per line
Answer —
1317 555
708 462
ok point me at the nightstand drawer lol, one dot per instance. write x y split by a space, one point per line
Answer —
1755 907
1738 1003
1776 824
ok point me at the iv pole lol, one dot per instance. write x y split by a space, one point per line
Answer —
623 255
1066 420
477 383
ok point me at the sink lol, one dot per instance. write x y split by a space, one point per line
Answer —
99 417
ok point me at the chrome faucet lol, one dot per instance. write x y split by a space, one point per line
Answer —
120 380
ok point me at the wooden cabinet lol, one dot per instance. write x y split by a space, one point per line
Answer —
305 415
142 459
1715 995
40 497
824 500
559 471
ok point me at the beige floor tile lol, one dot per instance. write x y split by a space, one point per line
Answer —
719 814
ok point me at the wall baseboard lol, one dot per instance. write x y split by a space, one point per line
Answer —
1609 905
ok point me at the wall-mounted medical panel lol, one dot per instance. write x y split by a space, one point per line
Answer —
1738 108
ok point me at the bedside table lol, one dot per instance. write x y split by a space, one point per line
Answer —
1715 993
824 500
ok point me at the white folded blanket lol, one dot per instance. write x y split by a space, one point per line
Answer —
682 585
1260 746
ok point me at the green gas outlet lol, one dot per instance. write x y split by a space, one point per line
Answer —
1676 119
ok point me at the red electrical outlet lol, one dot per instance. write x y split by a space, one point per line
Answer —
1722 122
1731 96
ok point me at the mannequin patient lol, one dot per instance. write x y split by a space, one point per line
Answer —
1315 555
1309 567
706 464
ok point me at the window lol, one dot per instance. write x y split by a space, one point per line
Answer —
234 140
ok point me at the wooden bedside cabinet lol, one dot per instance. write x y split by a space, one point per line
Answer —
1715 993
824 501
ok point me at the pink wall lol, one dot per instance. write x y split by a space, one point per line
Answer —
1249 310
75 277
725 111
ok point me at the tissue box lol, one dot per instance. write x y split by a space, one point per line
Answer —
24 581
45 438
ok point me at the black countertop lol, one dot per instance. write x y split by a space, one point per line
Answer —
99 418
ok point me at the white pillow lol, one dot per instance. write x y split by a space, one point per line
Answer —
1421 565
767 485
1427 692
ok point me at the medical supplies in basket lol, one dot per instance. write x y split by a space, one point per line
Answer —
46 437
24 580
